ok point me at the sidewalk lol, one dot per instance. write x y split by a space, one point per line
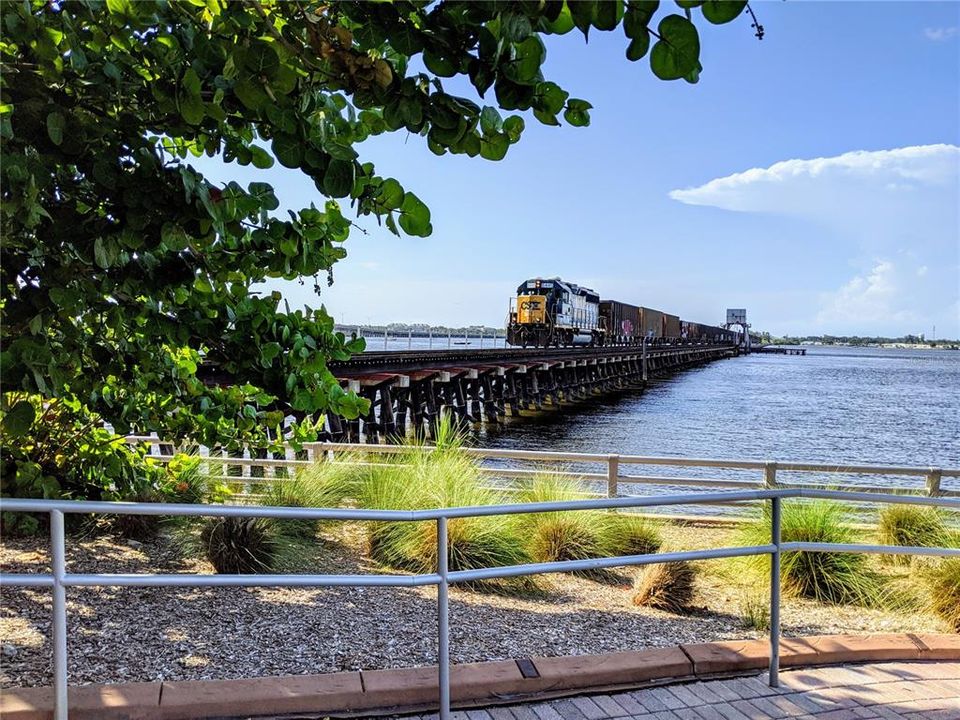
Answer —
882 691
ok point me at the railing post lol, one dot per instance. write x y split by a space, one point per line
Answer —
59 616
933 482
443 619
770 474
386 334
613 473
643 355
775 594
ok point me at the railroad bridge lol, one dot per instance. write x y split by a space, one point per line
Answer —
410 390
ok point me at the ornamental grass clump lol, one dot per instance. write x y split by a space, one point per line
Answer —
323 484
834 577
241 546
629 534
560 536
942 582
911 526
423 479
666 586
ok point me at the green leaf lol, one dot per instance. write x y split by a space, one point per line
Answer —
514 27
689 4
124 8
551 97
19 419
391 195
104 252
250 92
513 127
607 15
338 180
288 150
490 121
582 13
546 118
263 192
723 11
262 60
577 113
260 157
525 67
637 17
174 236
677 53
494 147
55 127
192 109
562 25
439 65
414 216
638 47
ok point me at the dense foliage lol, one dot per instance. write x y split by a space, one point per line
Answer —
128 279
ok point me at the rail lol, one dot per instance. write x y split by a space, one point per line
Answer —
59 579
611 475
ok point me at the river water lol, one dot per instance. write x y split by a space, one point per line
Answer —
833 405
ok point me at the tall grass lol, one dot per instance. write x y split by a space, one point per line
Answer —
424 479
323 484
559 536
910 525
834 577
666 586
580 534
942 581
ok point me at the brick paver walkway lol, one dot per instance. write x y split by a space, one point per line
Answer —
883 691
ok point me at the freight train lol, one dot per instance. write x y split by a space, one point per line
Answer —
552 312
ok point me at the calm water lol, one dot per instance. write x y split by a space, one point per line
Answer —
834 405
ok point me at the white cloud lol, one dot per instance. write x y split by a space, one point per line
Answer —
891 215
867 299
941 33
791 185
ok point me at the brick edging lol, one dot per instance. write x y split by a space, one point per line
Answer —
471 684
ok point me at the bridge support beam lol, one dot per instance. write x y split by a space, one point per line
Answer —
412 402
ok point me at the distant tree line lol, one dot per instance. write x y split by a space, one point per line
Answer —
859 340
418 329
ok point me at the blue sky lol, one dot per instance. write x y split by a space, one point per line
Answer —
811 177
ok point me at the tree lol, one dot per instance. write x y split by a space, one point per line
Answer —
127 277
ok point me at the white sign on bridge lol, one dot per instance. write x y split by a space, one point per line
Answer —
736 315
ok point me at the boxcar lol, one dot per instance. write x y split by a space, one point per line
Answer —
621 322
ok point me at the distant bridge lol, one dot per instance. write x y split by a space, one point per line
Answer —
410 390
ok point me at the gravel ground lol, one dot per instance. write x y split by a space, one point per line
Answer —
130 634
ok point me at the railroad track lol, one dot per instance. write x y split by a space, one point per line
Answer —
394 361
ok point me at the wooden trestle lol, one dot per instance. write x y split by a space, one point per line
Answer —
410 391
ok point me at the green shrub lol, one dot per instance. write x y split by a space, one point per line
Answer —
837 577
324 484
942 582
666 586
58 449
244 546
627 534
424 479
910 525
560 536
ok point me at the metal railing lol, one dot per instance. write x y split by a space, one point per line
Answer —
59 579
769 472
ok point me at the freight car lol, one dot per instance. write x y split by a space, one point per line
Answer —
551 312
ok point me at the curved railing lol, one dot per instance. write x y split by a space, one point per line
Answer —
58 580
